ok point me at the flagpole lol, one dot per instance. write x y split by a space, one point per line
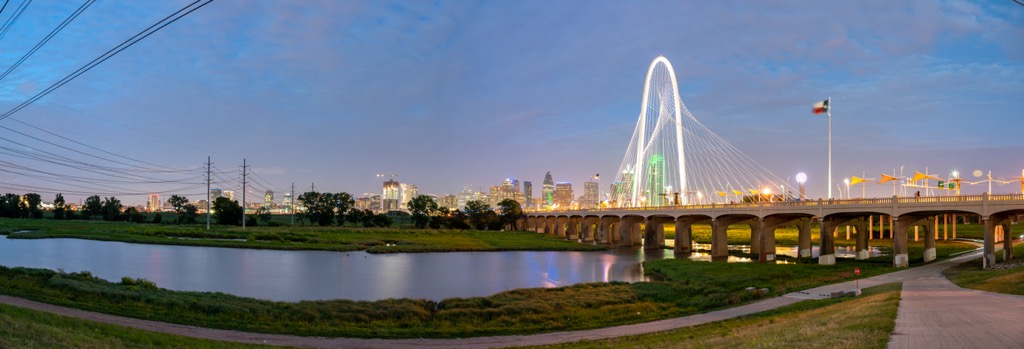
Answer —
828 110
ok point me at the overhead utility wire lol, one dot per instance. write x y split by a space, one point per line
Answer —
14 18
4 6
146 169
48 37
112 52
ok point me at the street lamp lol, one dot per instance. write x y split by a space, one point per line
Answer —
847 181
801 178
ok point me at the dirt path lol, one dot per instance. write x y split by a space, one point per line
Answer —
914 274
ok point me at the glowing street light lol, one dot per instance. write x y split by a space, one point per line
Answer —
847 181
801 178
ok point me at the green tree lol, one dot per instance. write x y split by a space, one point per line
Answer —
111 209
382 220
59 207
93 207
344 204
34 205
133 215
511 213
157 218
480 214
189 215
11 205
319 207
264 214
422 208
355 216
178 203
227 211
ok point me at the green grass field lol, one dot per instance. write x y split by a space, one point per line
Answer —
862 322
23 328
970 275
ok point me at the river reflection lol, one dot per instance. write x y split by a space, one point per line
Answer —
310 275
313 275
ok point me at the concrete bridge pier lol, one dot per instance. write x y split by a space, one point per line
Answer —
1007 242
572 228
684 235
604 230
719 239
587 233
804 238
756 229
862 238
900 258
654 232
991 222
629 231
929 242
827 248
549 226
767 240
560 224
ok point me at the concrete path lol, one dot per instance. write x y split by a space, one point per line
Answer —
935 313
926 318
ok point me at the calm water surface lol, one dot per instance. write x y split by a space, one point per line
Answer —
311 275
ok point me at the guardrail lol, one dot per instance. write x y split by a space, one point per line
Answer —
806 203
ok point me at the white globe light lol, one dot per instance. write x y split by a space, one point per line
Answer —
801 178
977 173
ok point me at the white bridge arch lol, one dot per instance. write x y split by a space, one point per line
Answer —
672 159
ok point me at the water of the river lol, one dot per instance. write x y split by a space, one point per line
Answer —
311 275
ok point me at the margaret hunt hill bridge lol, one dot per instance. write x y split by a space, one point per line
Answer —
676 171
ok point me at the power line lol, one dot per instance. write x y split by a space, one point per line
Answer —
14 18
188 9
48 37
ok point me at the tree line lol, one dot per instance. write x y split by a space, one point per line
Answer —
323 209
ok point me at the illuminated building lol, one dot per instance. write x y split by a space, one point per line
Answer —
154 203
563 194
548 190
527 194
268 199
591 197
389 200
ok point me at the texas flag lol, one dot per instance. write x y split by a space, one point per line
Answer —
820 107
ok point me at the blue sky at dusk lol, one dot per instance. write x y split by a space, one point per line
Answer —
449 93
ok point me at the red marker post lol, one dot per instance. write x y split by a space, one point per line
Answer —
856 271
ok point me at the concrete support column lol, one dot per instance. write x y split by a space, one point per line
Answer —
1007 243
604 228
862 239
651 227
684 236
929 242
804 238
626 232
755 236
719 239
767 235
988 255
945 227
571 229
900 258
560 224
954 226
549 226
826 247
587 233
871 226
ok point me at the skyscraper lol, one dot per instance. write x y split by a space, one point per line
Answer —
548 190
591 198
215 193
528 194
389 200
268 199
563 195
154 202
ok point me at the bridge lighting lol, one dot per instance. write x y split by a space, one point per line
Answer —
801 178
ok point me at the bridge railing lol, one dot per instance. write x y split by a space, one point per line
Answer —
805 203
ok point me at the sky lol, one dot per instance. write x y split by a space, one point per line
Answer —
444 94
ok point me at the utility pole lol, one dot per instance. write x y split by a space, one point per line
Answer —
291 202
312 187
209 206
244 167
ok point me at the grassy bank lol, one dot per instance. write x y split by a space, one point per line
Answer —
373 240
1009 280
862 322
24 328
682 288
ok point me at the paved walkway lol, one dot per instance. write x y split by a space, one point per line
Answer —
933 313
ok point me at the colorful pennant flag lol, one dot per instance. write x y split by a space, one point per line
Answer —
854 180
886 178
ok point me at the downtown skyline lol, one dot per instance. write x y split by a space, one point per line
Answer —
448 94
